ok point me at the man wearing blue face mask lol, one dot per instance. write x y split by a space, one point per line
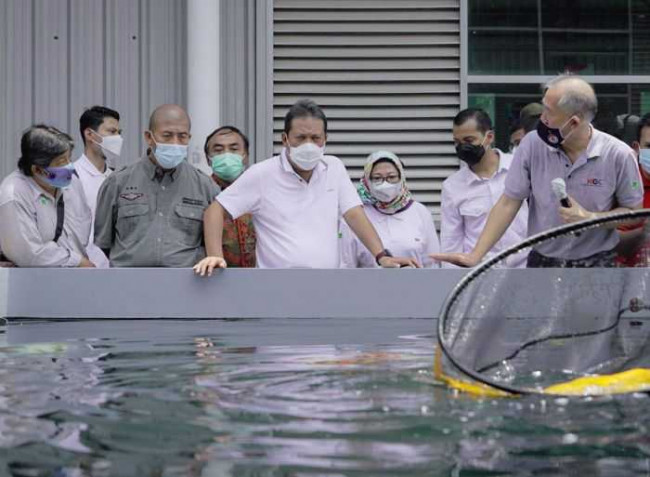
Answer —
226 150
150 214
296 199
599 170
44 219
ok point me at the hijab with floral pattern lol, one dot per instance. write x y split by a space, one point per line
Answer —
403 200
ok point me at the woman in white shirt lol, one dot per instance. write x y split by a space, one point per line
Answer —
405 226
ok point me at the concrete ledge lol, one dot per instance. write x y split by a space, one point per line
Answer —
233 293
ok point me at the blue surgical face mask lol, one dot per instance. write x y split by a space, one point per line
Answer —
59 177
644 160
169 156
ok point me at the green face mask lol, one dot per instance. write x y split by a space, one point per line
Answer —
227 166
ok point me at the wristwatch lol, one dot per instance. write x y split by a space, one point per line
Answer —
382 254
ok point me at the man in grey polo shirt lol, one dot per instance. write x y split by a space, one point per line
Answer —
599 170
150 214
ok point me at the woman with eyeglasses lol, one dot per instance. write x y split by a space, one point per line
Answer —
44 220
405 226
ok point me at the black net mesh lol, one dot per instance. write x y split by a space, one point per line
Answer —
525 330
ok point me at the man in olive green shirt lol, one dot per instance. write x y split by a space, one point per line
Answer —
150 214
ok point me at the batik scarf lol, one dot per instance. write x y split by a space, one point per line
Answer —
403 200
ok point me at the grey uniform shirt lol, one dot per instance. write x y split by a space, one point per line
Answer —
604 177
150 218
28 223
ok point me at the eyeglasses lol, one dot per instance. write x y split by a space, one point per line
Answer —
377 180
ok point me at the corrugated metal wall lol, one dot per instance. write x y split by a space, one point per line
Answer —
59 57
387 74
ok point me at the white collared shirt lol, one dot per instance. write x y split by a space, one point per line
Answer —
91 180
296 221
410 233
467 200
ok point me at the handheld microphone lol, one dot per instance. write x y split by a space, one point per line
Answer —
559 189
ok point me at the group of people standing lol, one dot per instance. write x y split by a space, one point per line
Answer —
300 209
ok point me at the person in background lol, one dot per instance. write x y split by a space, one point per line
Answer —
226 150
469 194
633 251
100 131
529 116
404 225
600 172
517 133
150 213
641 148
45 220
297 200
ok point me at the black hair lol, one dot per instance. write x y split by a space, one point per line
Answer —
482 119
516 126
94 117
225 129
40 145
644 122
529 123
304 108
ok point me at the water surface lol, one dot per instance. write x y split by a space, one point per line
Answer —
282 398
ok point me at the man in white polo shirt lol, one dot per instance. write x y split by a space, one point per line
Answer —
599 170
296 200
101 134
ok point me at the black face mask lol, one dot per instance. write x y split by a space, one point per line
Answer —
551 136
470 153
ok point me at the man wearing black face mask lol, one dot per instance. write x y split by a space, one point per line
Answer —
469 194
599 170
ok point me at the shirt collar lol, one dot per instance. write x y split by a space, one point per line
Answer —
505 160
157 173
37 191
286 165
89 167
595 146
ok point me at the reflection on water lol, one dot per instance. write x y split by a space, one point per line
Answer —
283 398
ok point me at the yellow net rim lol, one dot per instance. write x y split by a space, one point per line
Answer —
625 382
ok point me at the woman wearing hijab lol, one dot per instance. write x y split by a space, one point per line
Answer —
405 226
44 220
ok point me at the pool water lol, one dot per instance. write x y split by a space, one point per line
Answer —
283 398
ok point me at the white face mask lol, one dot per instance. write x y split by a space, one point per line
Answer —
385 192
111 145
306 156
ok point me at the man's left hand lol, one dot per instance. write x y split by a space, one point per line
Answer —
398 262
575 213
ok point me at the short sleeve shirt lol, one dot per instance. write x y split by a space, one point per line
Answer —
151 218
604 177
296 221
409 233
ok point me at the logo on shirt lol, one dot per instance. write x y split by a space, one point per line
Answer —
188 201
130 196
635 184
594 182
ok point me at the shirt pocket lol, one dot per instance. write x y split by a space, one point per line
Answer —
187 224
130 225
474 212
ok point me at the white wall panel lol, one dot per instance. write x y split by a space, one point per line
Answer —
18 112
387 74
59 57
87 62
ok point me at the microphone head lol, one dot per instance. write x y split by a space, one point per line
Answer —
559 188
